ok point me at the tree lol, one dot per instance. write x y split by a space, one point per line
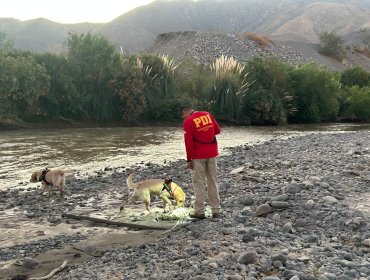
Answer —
22 83
264 107
6 44
128 84
63 99
91 58
355 76
316 94
331 45
357 103
269 100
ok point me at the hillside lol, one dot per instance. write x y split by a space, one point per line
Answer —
189 28
41 35
205 47
287 20
316 18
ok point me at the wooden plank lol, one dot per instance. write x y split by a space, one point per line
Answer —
115 223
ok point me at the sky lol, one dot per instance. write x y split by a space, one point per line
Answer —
68 11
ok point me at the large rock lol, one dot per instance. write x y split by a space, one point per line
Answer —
263 209
330 199
279 204
247 258
292 188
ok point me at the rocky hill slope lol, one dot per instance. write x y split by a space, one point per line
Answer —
205 47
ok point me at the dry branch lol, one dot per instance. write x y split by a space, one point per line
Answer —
52 272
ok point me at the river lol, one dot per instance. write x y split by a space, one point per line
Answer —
90 149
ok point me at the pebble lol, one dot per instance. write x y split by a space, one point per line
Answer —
322 234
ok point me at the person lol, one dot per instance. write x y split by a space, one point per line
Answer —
200 130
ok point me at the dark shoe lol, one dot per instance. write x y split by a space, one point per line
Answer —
197 216
216 215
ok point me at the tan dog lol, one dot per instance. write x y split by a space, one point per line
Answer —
49 178
145 189
172 190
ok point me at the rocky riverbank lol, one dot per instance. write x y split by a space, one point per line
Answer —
292 209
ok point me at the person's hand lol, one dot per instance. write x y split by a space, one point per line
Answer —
190 165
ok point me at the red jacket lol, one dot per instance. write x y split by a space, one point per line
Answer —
200 129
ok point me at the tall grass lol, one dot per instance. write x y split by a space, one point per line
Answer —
168 64
225 66
140 65
230 86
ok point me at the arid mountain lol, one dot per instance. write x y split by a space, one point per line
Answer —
288 20
41 35
315 18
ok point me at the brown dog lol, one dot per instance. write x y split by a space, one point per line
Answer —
145 189
49 178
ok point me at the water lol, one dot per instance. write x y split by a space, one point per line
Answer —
89 149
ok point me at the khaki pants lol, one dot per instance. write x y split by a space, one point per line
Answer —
205 169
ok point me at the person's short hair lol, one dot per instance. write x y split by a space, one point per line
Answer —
184 108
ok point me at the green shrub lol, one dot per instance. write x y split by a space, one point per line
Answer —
357 104
264 107
22 83
331 45
270 84
355 76
128 85
194 82
365 37
316 94
160 89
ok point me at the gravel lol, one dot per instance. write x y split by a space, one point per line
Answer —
206 47
314 193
